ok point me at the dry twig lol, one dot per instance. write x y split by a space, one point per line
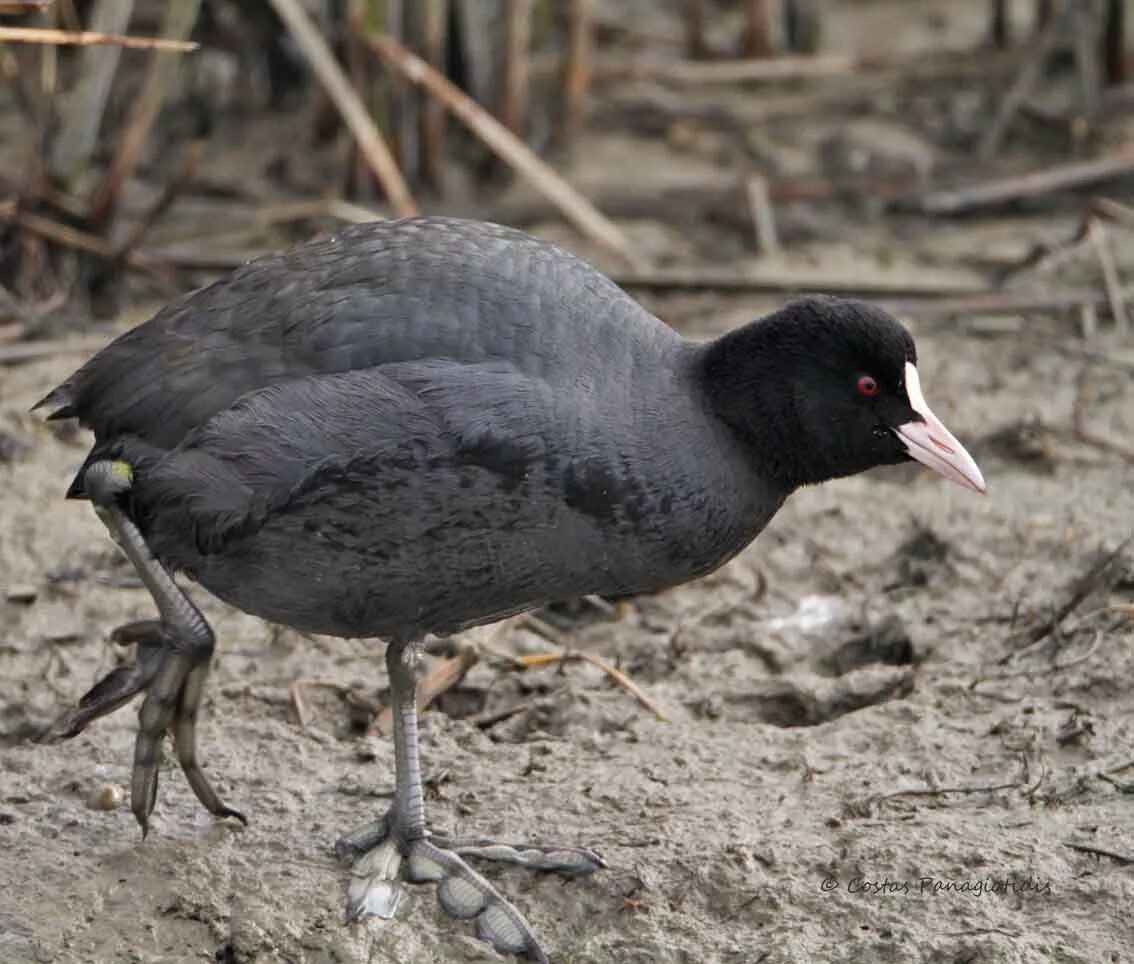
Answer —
998 303
1121 859
435 14
763 214
757 28
1059 177
942 791
767 278
1029 74
24 6
697 72
1120 785
77 138
549 632
566 655
517 45
1086 37
1022 785
1082 432
443 677
64 234
1046 257
296 691
577 66
1113 210
173 190
1044 670
88 38
1100 238
70 237
178 23
720 194
505 145
31 350
487 720
695 28
1077 349
357 118
1102 574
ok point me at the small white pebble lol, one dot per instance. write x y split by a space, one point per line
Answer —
24 595
105 797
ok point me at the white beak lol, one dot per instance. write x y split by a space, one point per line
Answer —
932 444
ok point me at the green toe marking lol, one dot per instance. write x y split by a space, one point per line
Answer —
122 470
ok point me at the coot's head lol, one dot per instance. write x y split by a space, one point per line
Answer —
827 387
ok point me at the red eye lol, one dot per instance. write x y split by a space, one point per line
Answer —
867 386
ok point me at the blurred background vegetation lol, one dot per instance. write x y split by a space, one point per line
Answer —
969 159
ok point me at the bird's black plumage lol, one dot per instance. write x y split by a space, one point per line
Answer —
416 426
420 425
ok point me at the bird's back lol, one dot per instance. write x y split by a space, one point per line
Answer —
374 294
414 426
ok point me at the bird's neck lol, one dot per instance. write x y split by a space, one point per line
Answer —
748 377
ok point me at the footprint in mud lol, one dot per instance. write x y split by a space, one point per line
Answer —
849 668
829 662
824 660
808 700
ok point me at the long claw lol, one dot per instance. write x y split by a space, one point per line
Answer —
117 687
154 718
114 690
144 778
185 744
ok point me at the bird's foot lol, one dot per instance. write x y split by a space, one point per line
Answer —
172 678
387 855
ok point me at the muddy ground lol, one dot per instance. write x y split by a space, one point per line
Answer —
724 826
866 760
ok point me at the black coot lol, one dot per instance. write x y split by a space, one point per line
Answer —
417 426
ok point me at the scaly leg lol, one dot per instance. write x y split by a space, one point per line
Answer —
400 836
171 665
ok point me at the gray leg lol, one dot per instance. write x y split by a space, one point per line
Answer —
400 836
401 661
171 666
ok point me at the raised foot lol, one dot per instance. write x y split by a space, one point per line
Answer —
461 891
172 678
